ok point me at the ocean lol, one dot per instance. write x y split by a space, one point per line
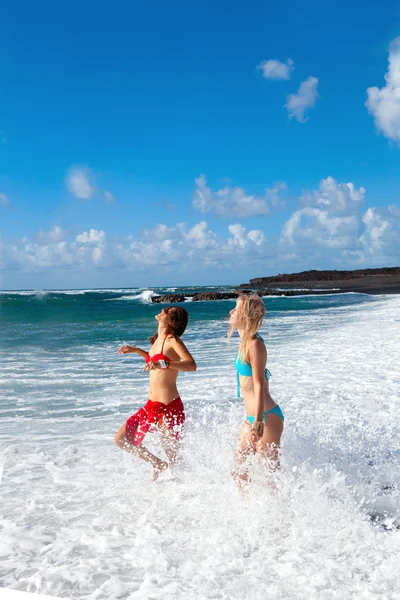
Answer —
78 517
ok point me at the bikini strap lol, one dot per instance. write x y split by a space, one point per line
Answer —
162 347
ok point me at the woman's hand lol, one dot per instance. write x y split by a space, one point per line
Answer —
254 437
152 366
126 350
256 432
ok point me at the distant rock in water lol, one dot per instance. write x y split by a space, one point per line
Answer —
168 298
215 296
173 298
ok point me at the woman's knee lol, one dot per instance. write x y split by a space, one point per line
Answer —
119 437
119 440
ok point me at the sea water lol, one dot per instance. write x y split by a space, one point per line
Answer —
78 517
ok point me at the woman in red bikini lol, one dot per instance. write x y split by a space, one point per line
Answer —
168 355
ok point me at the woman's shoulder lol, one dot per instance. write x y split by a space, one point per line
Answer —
257 343
258 340
173 339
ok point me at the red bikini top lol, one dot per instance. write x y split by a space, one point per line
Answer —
157 357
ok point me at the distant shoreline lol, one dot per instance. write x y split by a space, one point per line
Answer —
361 281
365 281
360 278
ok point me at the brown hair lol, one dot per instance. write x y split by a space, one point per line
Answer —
177 322
250 310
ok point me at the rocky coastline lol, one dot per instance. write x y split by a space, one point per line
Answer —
365 281
359 277
176 298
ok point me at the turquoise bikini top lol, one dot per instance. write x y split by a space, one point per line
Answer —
245 369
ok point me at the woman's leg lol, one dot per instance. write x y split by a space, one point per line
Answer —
268 447
245 448
169 442
140 451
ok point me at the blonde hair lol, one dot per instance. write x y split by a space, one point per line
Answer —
250 313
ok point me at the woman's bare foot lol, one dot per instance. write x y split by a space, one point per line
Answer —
158 469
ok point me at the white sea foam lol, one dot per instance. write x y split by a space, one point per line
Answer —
328 294
18 293
37 293
144 297
79 520
71 292
301 289
2 460
68 292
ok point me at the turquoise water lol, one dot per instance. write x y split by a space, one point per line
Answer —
45 319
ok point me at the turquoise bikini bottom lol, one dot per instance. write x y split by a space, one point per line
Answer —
273 411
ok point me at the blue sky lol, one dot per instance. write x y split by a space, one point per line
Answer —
138 141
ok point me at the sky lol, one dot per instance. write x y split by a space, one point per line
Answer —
178 143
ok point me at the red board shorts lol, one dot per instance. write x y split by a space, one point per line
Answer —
172 414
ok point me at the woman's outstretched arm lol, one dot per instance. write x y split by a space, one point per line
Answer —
187 362
132 349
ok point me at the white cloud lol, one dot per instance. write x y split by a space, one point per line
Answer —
195 248
160 232
239 235
275 69
92 237
330 225
228 202
384 103
394 210
56 234
328 217
378 230
34 255
80 183
273 194
333 197
305 98
200 236
142 253
202 197
109 198
187 249
4 200
242 239
257 237
98 256
313 226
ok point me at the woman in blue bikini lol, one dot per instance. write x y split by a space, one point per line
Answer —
262 429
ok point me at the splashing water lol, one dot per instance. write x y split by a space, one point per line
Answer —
79 518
